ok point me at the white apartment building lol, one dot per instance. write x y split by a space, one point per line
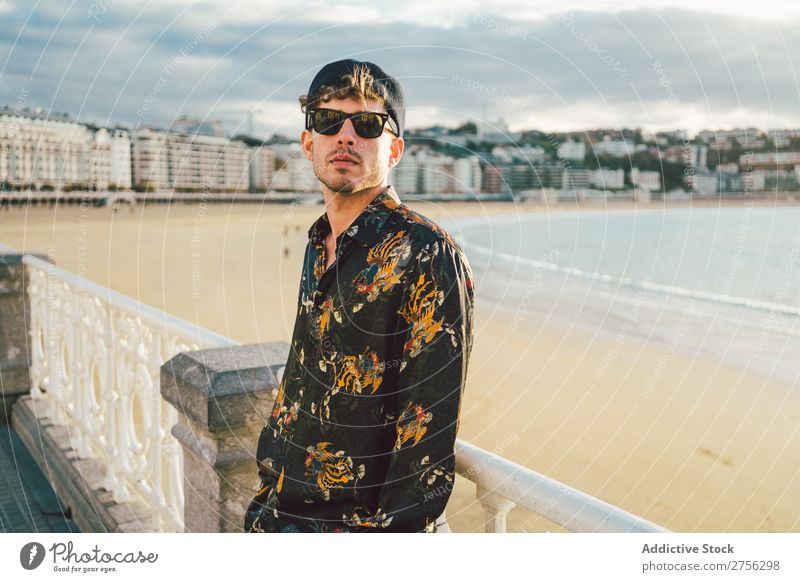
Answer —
529 154
405 175
755 180
149 160
165 160
423 172
730 169
437 174
295 172
572 150
110 165
574 179
262 168
467 175
100 162
301 174
645 179
37 150
281 181
704 182
695 155
121 159
607 179
613 147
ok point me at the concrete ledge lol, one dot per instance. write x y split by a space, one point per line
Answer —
223 397
223 389
75 481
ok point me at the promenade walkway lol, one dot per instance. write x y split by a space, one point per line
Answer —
27 502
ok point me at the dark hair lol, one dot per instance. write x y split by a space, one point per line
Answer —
358 85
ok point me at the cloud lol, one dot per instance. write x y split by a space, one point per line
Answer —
675 67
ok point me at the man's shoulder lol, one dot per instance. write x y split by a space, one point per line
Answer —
423 232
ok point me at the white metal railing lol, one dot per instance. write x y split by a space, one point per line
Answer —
502 484
95 365
97 355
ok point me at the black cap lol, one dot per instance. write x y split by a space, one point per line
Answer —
332 73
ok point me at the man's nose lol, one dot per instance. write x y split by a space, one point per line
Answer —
347 134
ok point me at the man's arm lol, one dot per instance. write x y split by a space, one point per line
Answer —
435 323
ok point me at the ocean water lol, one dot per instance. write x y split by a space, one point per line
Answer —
717 282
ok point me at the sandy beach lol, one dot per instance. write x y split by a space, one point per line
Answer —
705 447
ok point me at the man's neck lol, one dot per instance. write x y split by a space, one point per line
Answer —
342 210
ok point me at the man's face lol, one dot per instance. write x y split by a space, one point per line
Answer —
371 158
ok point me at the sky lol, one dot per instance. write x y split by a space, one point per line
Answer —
566 66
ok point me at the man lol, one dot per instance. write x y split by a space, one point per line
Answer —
361 436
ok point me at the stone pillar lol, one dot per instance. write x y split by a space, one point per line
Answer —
223 397
15 343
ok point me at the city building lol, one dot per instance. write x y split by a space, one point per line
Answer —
294 172
149 160
168 160
40 151
405 176
120 160
467 175
262 168
607 179
100 160
437 174
704 182
575 179
614 148
572 150
645 180
770 160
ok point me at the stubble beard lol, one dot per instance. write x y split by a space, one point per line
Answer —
344 185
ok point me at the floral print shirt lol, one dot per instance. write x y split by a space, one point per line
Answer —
361 436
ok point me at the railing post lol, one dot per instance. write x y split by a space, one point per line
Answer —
496 508
223 397
15 343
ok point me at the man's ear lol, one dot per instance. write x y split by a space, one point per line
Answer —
307 144
396 151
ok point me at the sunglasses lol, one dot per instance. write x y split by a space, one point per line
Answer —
367 124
